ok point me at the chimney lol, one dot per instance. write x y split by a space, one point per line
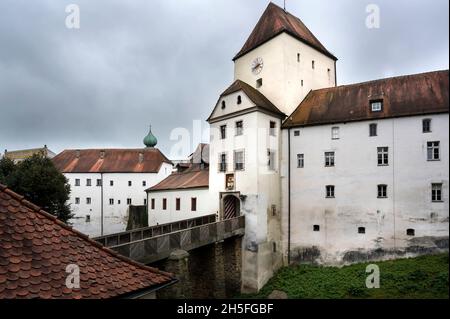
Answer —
141 158
102 154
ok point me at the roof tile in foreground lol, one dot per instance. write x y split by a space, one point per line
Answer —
36 248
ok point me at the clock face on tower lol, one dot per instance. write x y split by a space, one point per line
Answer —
257 66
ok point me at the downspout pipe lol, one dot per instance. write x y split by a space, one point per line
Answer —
289 196
101 201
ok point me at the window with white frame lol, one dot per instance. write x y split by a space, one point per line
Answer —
77 182
433 152
239 160
335 133
329 191
111 183
436 192
128 201
329 159
77 201
239 128
382 191
130 183
88 182
297 133
300 160
99 182
222 162
144 183
223 132
271 159
88 201
383 156
376 106
111 201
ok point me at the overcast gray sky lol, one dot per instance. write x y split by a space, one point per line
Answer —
164 62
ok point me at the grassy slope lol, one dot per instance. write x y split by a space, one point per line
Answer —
421 277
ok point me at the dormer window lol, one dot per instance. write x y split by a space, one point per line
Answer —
259 83
224 105
239 100
376 106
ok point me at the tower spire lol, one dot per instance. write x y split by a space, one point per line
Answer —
150 140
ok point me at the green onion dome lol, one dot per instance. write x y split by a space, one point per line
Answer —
150 140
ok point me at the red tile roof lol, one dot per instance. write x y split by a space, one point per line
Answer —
36 248
253 94
193 177
418 94
275 21
147 160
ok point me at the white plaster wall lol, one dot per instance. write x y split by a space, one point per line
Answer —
356 176
282 74
158 216
116 215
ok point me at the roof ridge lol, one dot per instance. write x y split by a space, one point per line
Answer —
39 210
396 77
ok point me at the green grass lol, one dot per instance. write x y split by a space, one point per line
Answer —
424 277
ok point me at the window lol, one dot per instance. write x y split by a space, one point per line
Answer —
118 202
128 201
144 183
177 204
335 133
383 156
298 57
330 191
272 129
88 218
223 162
164 203
145 201
77 201
313 64
376 106
436 192
316 228
410 232
329 159
111 201
382 191
130 183
239 100
77 182
297 133
433 151
271 160
373 130
152 203
300 160
301 82
259 83
99 182
111 183
239 128
426 126
223 132
88 201
194 204
239 159
224 105
88 182
361 230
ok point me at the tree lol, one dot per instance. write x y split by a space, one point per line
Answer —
40 182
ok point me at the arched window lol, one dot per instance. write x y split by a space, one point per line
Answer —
239 99
224 105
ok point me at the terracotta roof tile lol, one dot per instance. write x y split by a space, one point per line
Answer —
147 160
34 257
418 94
191 178
275 21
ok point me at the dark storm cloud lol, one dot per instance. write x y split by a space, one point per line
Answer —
139 62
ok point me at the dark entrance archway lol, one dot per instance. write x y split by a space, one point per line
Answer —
231 207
